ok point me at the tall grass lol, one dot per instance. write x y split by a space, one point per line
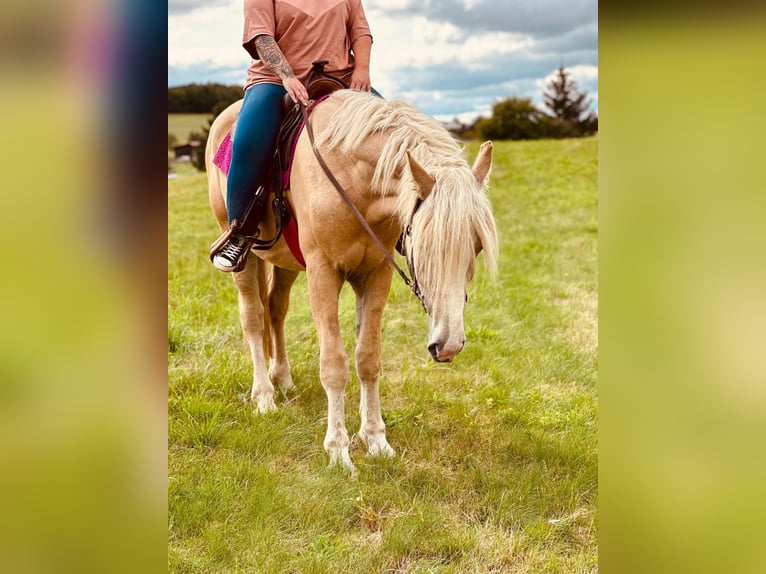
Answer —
496 466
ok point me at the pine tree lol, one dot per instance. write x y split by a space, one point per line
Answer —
568 105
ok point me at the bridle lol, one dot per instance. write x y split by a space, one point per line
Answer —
411 283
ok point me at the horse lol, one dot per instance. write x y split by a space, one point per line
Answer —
408 178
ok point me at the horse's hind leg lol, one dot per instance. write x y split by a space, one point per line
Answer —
371 299
251 288
279 301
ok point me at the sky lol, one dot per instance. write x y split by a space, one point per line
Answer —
448 58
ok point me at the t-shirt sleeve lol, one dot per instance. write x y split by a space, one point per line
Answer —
259 19
357 24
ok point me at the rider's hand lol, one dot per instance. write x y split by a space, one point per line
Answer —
360 80
296 89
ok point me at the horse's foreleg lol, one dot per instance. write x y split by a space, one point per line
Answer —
324 284
371 300
279 300
251 291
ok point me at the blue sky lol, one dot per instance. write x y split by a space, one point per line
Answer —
446 57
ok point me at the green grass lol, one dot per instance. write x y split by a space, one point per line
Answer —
496 466
181 125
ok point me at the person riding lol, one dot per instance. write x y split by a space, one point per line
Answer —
283 38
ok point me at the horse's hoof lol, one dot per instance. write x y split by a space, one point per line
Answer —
283 381
287 386
264 405
377 445
381 449
340 457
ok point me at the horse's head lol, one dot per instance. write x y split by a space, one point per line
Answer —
452 224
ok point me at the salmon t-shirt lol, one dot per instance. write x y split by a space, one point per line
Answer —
305 30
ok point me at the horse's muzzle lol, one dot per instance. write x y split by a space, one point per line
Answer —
444 354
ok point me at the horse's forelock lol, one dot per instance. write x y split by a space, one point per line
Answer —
450 222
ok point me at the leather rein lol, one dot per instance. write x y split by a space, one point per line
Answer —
412 284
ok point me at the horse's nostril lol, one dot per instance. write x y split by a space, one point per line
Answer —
433 348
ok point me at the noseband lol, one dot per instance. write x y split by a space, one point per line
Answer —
412 284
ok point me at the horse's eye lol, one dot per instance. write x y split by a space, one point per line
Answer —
466 296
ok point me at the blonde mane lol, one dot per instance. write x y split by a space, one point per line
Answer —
362 114
456 219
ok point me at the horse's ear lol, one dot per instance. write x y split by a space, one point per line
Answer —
424 180
483 163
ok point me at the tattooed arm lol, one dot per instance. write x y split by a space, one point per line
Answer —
272 56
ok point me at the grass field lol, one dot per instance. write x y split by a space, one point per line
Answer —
496 466
181 125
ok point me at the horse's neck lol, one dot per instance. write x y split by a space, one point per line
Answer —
365 161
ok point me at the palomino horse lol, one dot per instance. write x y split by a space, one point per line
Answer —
404 173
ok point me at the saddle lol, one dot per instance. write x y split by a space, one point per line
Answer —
320 84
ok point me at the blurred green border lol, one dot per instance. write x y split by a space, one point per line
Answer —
682 209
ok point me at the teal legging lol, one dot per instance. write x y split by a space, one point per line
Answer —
253 146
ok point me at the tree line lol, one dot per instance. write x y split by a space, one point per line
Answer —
517 118
512 118
201 98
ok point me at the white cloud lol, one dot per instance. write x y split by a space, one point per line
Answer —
421 43
208 34
436 32
581 73
479 52
398 4
183 6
